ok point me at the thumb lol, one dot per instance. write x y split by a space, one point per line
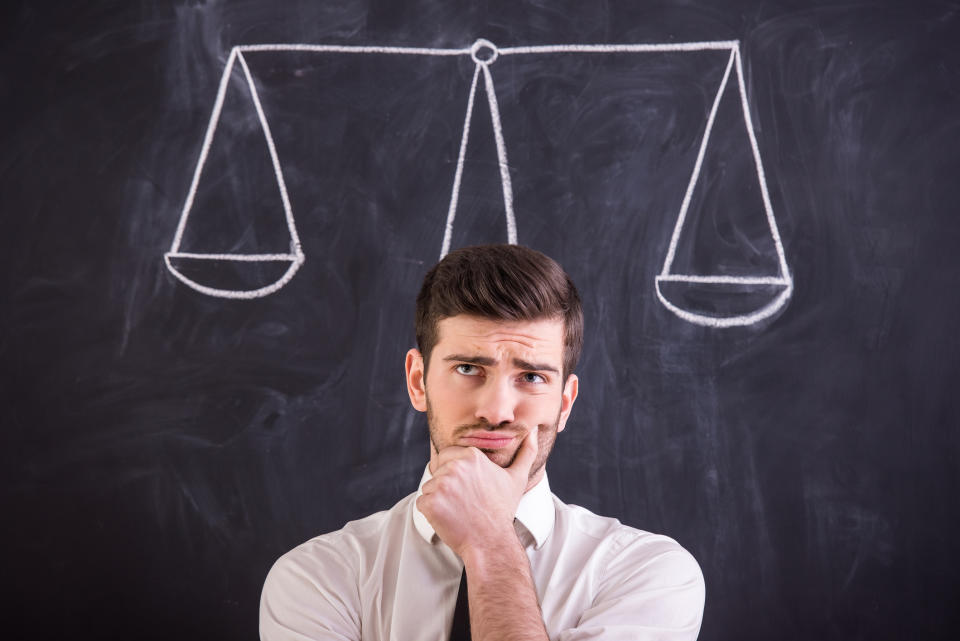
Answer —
527 454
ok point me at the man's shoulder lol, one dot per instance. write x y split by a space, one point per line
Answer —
316 585
633 577
351 543
620 543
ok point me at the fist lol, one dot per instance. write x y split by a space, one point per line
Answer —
471 501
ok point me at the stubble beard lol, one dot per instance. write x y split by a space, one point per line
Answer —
547 435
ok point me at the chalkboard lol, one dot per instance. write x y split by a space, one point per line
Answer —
217 216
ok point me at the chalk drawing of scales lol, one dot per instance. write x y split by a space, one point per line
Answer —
484 54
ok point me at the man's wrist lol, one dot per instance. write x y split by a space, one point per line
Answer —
504 549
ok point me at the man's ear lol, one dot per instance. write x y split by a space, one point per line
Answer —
570 389
416 383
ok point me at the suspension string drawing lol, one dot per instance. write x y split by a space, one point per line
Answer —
484 54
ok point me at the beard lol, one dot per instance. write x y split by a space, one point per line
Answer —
546 436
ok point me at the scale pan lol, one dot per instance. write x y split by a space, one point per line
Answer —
723 301
234 275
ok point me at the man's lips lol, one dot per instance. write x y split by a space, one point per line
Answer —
488 440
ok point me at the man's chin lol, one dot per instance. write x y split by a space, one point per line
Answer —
503 458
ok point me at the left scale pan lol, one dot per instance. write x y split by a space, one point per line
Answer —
245 268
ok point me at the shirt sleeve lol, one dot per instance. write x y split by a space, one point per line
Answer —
648 590
311 593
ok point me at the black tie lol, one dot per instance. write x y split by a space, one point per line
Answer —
460 630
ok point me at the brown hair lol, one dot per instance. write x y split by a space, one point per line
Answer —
500 282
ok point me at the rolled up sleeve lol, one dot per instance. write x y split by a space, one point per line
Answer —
311 593
645 595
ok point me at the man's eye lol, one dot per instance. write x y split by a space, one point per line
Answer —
530 377
469 370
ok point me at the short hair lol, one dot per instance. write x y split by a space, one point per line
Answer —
499 282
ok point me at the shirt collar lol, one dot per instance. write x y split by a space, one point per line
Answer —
535 511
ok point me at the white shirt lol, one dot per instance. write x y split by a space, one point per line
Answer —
389 576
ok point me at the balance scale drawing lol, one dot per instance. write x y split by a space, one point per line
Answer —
484 54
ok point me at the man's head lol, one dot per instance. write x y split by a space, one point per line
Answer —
499 282
499 330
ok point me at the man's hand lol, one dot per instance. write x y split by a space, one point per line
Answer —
471 501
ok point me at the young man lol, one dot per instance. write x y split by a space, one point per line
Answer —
499 330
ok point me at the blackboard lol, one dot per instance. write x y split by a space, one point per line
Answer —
161 446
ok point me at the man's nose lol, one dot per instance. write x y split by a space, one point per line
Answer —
496 403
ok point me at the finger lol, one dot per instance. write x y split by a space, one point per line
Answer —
457 462
428 487
452 453
527 454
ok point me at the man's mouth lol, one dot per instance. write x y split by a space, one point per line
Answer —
488 440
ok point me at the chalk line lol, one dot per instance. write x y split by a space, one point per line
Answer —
721 279
238 257
501 154
761 176
231 293
411 51
506 185
455 194
204 149
727 321
715 45
287 210
707 45
688 195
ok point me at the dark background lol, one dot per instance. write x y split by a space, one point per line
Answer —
161 448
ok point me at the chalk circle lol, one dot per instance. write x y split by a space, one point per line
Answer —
720 301
484 52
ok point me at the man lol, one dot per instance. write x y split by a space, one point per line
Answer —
499 330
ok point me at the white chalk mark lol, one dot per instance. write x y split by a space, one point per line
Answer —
296 256
721 280
761 176
231 293
672 249
409 51
710 45
287 210
237 257
482 64
714 45
455 194
727 321
480 45
501 155
784 279
204 149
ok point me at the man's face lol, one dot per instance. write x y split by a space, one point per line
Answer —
489 383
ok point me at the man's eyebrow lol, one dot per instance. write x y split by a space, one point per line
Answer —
537 367
486 361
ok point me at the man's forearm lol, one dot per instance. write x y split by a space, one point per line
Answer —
503 599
